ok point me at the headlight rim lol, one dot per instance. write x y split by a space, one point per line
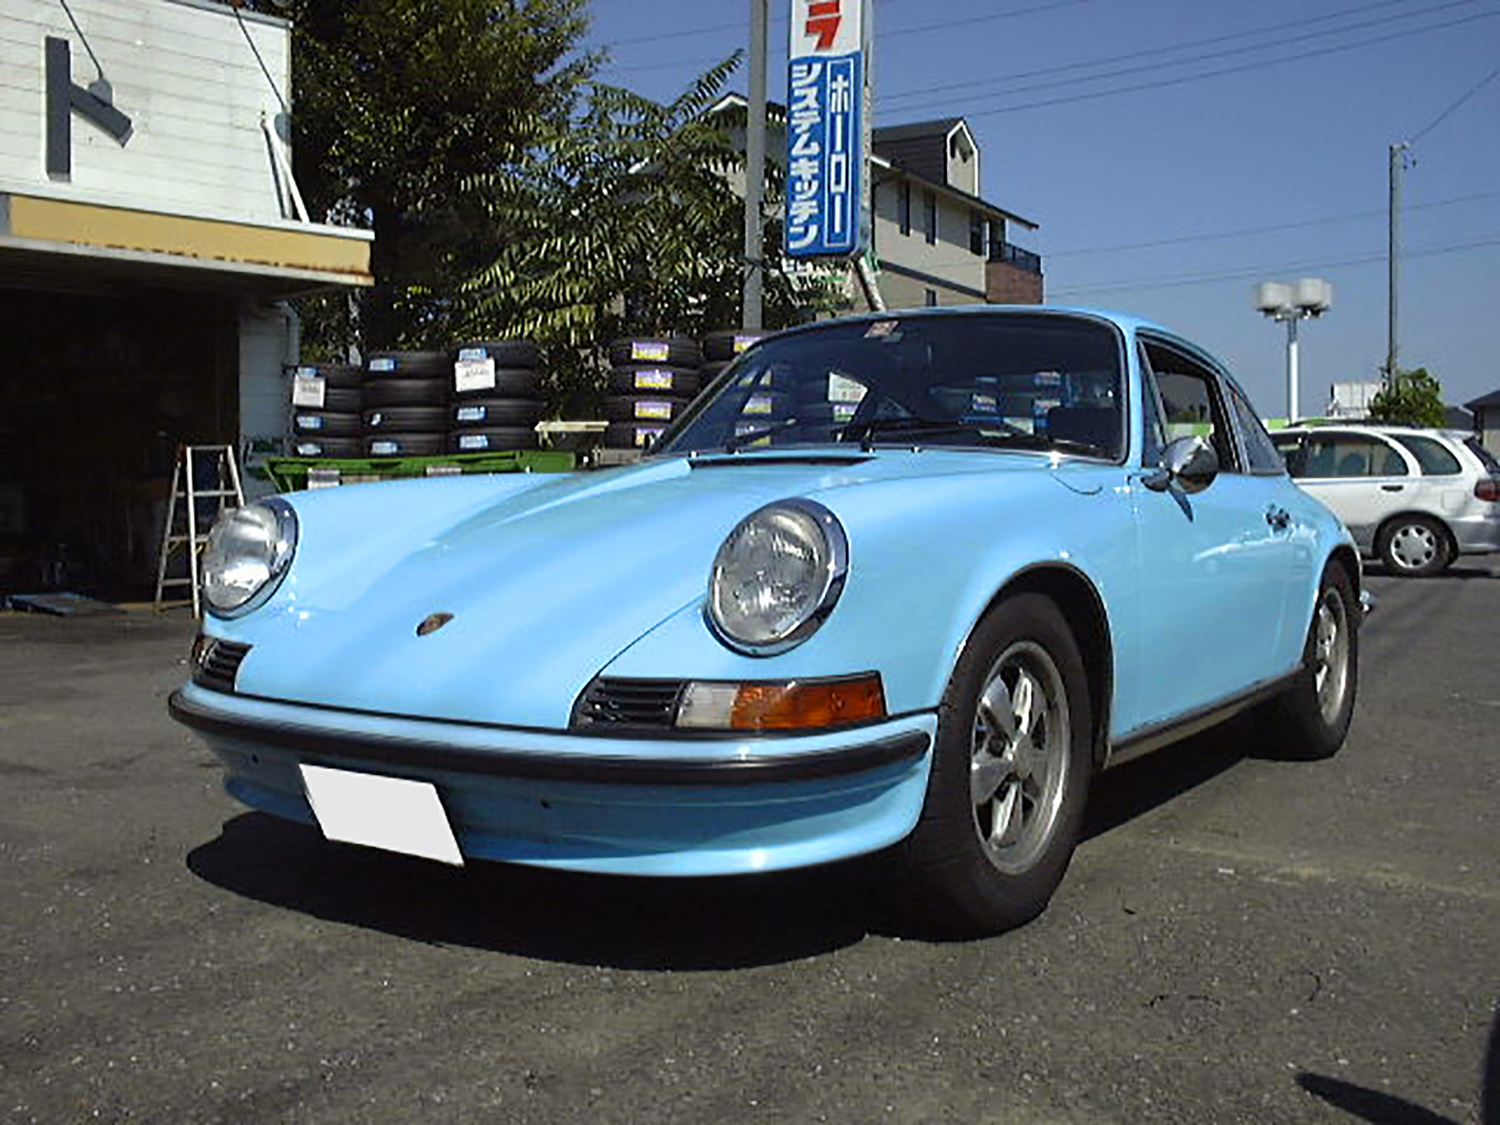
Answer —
287 530
836 540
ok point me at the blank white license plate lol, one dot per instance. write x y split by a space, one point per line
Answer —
381 812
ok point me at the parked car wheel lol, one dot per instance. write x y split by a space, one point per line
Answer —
1414 546
1009 776
1311 720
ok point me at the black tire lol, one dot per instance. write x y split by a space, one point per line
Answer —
510 382
1310 720
343 400
654 379
727 344
487 413
954 877
380 393
396 444
409 365
679 351
632 435
1414 546
327 447
407 419
505 353
654 409
711 371
322 423
342 375
488 439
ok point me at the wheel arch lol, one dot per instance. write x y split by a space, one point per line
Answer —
1083 609
1411 513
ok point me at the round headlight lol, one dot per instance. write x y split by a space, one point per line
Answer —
777 576
248 551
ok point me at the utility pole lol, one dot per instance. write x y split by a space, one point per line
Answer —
755 169
1393 261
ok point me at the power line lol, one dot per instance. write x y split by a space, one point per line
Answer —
1433 124
1260 271
1219 72
1244 231
1226 52
1149 52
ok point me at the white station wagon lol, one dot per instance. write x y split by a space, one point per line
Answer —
1415 499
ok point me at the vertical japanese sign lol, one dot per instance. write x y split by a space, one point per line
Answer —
825 136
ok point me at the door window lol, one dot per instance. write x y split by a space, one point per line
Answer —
1259 450
1190 401
1341 456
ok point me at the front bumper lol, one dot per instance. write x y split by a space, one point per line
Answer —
640 806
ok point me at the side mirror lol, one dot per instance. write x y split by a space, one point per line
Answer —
1189 463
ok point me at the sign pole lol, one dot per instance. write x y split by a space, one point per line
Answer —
755 170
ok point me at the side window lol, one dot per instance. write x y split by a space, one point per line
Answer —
1340 456
1259 449
1431 454
1155 437
1292 452
1190 402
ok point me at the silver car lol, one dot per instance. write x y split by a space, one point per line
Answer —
1415 499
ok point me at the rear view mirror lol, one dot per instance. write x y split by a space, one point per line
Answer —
1188 463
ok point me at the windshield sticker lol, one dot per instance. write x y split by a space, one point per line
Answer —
841 388
882 328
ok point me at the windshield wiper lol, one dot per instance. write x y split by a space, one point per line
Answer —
917 427
733 443
1040 441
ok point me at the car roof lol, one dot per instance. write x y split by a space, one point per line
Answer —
1126 321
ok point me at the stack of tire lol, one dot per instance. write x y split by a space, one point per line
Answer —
769 404
334 428
406 404
497 396
651 381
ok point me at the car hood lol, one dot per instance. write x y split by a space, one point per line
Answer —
545 580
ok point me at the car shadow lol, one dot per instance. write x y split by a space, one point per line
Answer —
610 921
1123 793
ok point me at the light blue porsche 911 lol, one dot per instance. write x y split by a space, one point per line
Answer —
894 586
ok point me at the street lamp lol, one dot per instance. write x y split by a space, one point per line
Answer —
1292 302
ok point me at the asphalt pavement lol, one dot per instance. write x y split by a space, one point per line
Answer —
1239 939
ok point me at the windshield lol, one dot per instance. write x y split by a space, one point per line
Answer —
1007 380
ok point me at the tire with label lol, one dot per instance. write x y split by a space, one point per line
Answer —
343 400
340 375
727 344
396 444
679 351
654 379
489 439
656 410
310 446
510 382
632 435
505 353
325 423
408 365
407 419
485 413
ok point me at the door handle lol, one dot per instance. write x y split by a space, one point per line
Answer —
1278 518
1392 487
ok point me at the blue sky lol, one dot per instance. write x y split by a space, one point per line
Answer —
1103 121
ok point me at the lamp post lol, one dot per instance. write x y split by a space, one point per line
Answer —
1293 302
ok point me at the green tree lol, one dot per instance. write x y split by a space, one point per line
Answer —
629 221
398 103
1414 398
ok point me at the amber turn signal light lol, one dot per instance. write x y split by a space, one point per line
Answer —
789 705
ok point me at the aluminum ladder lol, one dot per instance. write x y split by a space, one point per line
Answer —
201 474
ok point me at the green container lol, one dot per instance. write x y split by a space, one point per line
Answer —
290 474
